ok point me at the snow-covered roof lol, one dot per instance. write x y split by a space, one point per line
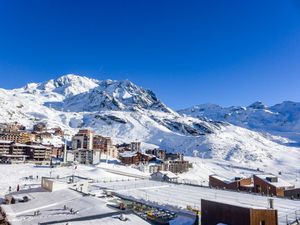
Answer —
51 207
169 174
31 146
5 142
280 183
226 180
128 154
223 179
114 220
19 145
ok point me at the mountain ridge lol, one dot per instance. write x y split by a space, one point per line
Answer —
281 119
127 112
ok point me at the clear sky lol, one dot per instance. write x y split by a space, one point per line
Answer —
187 52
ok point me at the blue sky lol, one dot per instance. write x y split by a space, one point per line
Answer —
187 52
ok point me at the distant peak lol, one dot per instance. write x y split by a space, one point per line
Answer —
69 78
257 105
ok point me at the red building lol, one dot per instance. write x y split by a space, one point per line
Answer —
237 183
129 158
270 184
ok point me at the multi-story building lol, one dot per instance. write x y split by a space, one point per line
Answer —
39 152
12 127
5 147
177 166
86 156
101 143
58 131
135 146
105 146
83 140
86 139
40 127
17 136
34 152
158 153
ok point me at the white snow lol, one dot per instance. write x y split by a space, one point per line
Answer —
184 195
126 112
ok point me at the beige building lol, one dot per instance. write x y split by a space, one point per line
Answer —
83 140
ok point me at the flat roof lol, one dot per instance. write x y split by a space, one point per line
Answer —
51 207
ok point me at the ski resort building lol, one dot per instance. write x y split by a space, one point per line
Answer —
213 213
158 153
86 156
86 139
237 183
177 166
17 136
5 147
11 151
133 158
164 176
270 184
40 127
135 146
83 140
292 193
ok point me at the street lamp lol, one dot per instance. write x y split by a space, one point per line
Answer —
65 147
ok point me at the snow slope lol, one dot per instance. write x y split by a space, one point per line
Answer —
281 119
127 112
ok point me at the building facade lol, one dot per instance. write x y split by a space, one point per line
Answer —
213 213
270 184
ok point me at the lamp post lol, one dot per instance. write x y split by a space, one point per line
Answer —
65 148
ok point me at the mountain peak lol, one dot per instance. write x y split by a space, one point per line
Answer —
115 95
257 105
69 84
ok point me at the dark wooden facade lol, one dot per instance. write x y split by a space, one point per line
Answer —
292 193
242 184
261 186
134 158
213 213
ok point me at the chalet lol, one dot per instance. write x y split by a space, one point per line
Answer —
237 183
129 158
270 184
164 176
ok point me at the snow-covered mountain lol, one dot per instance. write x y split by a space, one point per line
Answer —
281 119
127 112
